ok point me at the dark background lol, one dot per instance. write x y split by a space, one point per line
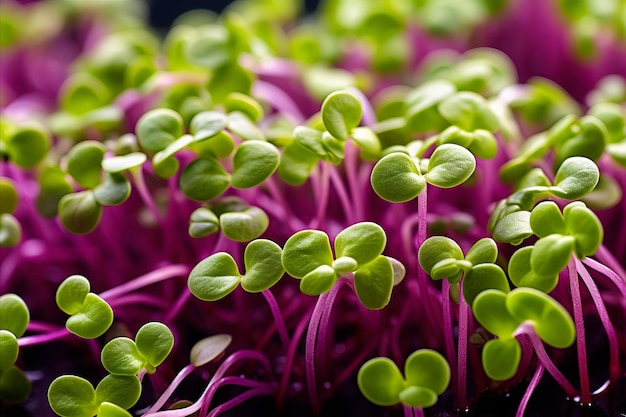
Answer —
163 12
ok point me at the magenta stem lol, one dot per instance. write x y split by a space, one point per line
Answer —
529 390
182 374
462 352
144 193
161 274
528 329
309 350
448 333
322 191
344 199
407 410
289 360
181 302
43 338
620 283
278 317
614 367
579 322
254 392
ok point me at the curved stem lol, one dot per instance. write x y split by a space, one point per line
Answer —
262 390
278 317
529 391
620 283
144 193
43 338
171 388
161 274
579 322
309 351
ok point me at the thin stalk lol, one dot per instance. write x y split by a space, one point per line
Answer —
323 332
448 333
161 274
322 192
289 359
529 390
614 361
422 234
144 193
607 258
528 329
579 321
309 351
344 199
620 283
43 338
181 302
352 176
262 390
408 411
278 317
160 402
462 353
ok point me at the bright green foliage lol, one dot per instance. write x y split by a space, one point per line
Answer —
241 125
296 163
10 230
341 112
90 315
80 212
27 145
427 376
421 106
14 385
8 349
152 344
231 215
576 177
14 314
72 396
502 314
157 128
450 165
254 162
83 162
218 275
308 256
204 179
114 189
126 162
245 104
8 196
82 93
14 318
207 124
468 111
203 222
209 348
52 186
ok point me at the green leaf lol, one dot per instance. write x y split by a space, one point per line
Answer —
72 396
203 222
207 124
154 341
483 277
551 254
546 219
576 177
417 396
27 146
482 252
219 146
522 274
450 165
344 264
113 191
245 104
501 358
607 194
436 249
82 93
552 322
296 164
589 141
164 163
209 348
310 139
321 80
10 230
9 349
305 251
491 311
123 391
262 259
245 225
120 356
15 387
319 280
367 140
214 277
427 368
80 212
585 227
341 112
95 318
157 128
469 111
362 242
373 283
421 105
380 381
121 163
513 228
484 145
229 78
396 178
254 162
9 200
107 409
71 294
450 269
83 162
204 179
52 186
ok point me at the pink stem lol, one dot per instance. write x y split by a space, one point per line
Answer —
462 353
289 359
620 283
43 338
529 391
262 390
309 350
144 193
448 330
278 317
171 388
322 191
161 274
579 321
342 193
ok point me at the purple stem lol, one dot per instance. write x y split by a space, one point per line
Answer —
262 390
344 199
321 191
43 338
289 360
278 317
369 115
528 329
161 274
280 100
309 350
614 367
144 193
462 353
422 234
181 302
171 388
323 331
408 411
529 391
607 258
448 330
607 272
352 176
579 321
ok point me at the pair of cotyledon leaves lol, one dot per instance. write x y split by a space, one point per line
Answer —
442 258
426 376
14 318
307 255
502 313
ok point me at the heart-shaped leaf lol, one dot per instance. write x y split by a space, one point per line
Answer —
245 104
107 409
154 341
482 252
94 318
396 178
254 162
214 277
490 309
305 251
501 358
522 274
380 381
209 348
484 145
373 283
83 162
71 294
157 128
262 259
203 222
469 111
113 191
341 112
244 225
513 228
14 314
546 219
551 254
72 396
27 146
585 227
575 178
242 126
80 212
427 368
362 242
120 356
296 164
436 249
204 179
52 186
123 391
418 396
552 322
450 165
589 141
483 277
318 281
